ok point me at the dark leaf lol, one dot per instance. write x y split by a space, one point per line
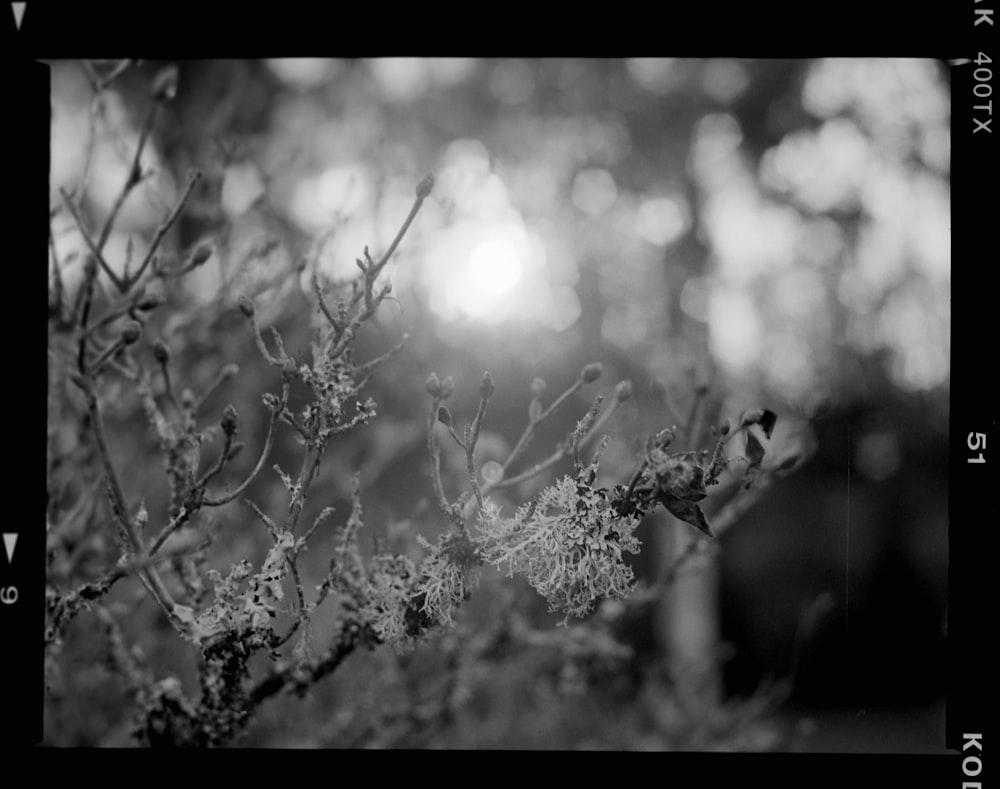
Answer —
750 476
764 417
754 451
754 455
679 475
687 511
444 416
788 462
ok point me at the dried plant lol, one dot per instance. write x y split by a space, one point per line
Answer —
570 541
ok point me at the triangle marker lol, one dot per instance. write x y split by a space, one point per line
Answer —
9 541
18 16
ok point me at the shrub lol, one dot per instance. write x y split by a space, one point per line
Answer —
571 542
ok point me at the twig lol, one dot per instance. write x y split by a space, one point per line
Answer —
268 442
95 250
134 178
155 583
226 373
193 177
435 456
310 467
486 388
522 442
57 275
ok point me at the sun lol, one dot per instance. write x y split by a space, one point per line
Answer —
487 277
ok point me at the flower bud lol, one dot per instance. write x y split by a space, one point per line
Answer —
725 427
161 352
165 84
486 386
230 371
246 306
433 385
591 372
623 391
447 387
200 255
538 387
150 302
425 186
131 332
229 420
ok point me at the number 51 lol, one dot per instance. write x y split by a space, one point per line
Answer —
977 441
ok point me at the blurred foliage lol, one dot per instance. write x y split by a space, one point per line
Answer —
776 229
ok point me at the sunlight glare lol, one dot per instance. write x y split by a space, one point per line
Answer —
491 271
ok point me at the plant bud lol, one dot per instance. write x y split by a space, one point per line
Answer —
538 387
150 302
591 372
447 386
486 386
433 385
131 332
725 427
623 391
229 420
165 84
425 186
246 306
230 371
201 254
161 352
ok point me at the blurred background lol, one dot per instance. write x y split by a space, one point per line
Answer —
777 231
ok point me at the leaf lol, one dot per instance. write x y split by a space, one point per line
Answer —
764 417
788 462
687 511
755 450
444 416
754 455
